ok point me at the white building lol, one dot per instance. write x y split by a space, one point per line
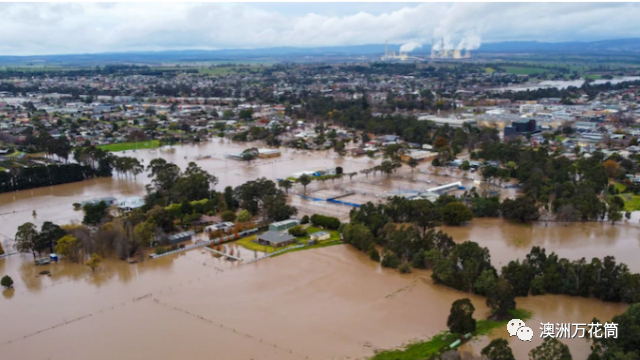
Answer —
130 203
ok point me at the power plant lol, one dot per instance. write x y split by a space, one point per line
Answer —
443 53
392 56
440 52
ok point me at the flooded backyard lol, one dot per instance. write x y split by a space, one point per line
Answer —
327 303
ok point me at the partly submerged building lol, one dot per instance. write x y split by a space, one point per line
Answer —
130 203
275 239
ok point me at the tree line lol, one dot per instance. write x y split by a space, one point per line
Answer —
404 229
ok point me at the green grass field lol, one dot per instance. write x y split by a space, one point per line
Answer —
248 243
14 154
524 70
425 349
631 202
149 144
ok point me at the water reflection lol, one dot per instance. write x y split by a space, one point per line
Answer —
8 293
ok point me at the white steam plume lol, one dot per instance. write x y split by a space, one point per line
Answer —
410 46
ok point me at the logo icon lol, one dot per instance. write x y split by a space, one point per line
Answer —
513 325
525 333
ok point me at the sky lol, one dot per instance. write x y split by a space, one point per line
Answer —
72 28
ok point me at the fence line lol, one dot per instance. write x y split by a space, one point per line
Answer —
275 253
205 243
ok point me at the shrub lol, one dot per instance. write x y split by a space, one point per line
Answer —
160 250
374 254
327 222
305 219
77 206
6 281
228 215
298 231
1 249
404 269
390 260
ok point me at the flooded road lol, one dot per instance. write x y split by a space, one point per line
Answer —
328 303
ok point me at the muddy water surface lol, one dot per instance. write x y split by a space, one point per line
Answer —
508 241
328 303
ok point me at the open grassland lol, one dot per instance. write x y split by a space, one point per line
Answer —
149 144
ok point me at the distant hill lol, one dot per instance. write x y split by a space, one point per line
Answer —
332 53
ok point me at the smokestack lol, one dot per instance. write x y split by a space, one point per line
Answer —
443 52
433 51
386 48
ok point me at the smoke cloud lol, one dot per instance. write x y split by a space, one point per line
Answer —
410 46
470 42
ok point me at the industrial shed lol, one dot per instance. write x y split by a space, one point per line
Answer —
180 237
283 225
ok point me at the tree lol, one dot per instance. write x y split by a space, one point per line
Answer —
228 215
498 349
412 163
26 237
456 213
610 167
94 213
286 184
390 260
486 283
551 349
6 282
523 209
69 247
1 249
461 319
244 216
277 209
440 143
614 213
94 261
501 300
144 231
305 180
49 234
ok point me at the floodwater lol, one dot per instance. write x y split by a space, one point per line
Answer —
509 241
327 303
562 84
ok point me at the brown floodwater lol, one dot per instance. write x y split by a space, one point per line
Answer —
328 303
509 241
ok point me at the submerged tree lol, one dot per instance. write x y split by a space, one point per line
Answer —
94 261
461 319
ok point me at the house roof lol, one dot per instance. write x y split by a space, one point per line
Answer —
275 237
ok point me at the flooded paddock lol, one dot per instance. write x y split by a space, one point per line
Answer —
509 241
328 303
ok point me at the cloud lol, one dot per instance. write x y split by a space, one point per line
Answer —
49 28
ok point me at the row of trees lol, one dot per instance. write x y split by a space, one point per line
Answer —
91 162
467 266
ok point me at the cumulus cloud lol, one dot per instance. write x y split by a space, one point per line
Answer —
49 28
